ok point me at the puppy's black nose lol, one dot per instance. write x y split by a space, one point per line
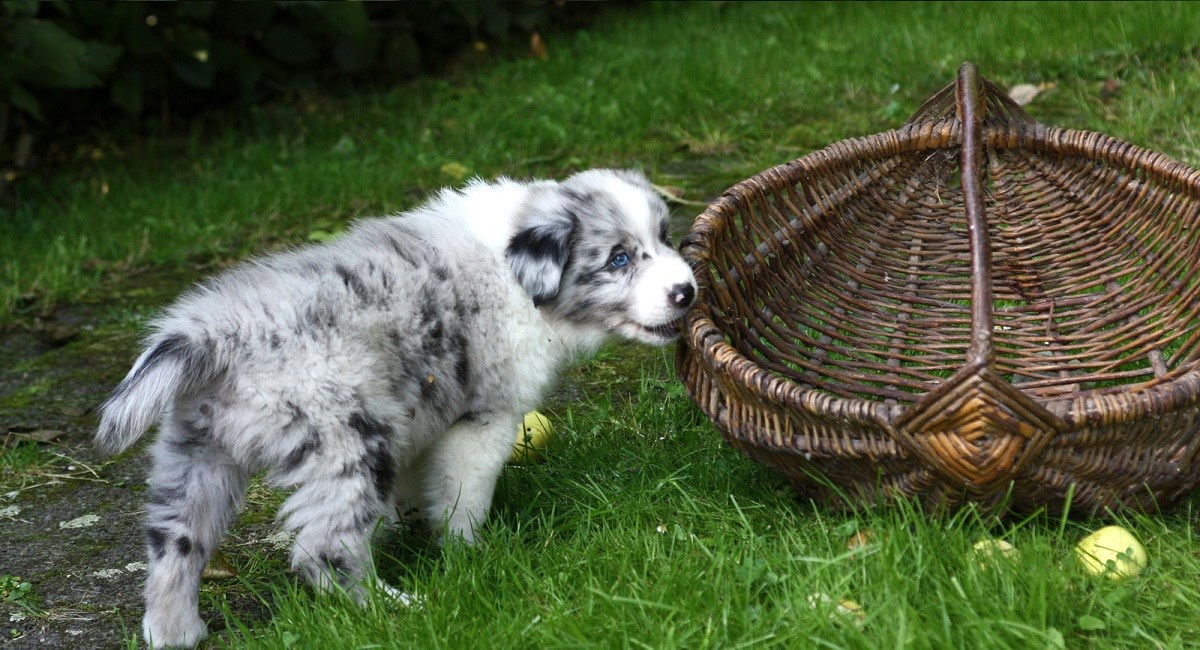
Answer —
682 295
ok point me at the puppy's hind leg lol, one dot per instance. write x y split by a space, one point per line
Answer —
460 472
195 489
336 506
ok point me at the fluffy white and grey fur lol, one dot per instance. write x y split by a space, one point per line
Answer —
390 366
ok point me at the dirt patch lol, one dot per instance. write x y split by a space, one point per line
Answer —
70 519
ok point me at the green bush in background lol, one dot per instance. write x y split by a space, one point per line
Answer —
66 64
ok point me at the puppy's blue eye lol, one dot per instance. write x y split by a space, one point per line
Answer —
620 260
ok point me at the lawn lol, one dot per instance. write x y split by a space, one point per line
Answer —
642 528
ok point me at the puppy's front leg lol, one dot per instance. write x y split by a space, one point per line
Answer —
461 469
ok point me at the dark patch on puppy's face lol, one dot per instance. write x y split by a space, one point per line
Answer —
621 270
539 249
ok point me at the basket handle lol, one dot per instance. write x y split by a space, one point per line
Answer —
996 104
971 110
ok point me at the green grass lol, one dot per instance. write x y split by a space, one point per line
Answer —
643 528
699 95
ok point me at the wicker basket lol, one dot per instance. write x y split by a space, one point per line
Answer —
972 308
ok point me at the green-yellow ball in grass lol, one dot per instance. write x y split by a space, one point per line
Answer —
1112 552
533 436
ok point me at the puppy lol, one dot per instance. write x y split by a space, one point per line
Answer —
392 365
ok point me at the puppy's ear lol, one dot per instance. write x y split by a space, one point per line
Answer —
538 251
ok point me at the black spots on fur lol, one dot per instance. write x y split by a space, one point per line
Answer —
376 455
301 452
664 232
320 317
474 418
539 243
539 251
368 427
164 494
397 248
184 545
364 519
156 540
462 360
335 563
434 341
296 414
581 204
592 278
383 472
190 438
172 348
441 273
355 284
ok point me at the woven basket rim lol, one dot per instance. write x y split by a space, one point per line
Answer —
1119 404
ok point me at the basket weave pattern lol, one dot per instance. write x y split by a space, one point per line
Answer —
974 307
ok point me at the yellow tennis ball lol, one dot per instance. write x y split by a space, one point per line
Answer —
533 436
1112 552
988 551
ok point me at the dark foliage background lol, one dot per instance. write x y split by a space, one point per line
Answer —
72 66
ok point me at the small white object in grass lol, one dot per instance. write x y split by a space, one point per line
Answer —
80 522
10 511
134 567
16 617
848 610
1112 552
280 540
1022 94
845 610
403 597
107 574
987 551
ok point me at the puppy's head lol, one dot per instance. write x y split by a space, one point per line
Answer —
594 251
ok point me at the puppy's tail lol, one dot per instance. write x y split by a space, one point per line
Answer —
170 365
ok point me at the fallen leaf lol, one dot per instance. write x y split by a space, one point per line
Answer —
860 539
41 435
218 568
455 170
1024 93
1109 89
84 521
537 46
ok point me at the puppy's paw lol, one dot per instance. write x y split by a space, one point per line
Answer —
402 598
173 630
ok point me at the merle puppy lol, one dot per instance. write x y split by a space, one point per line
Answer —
392 365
